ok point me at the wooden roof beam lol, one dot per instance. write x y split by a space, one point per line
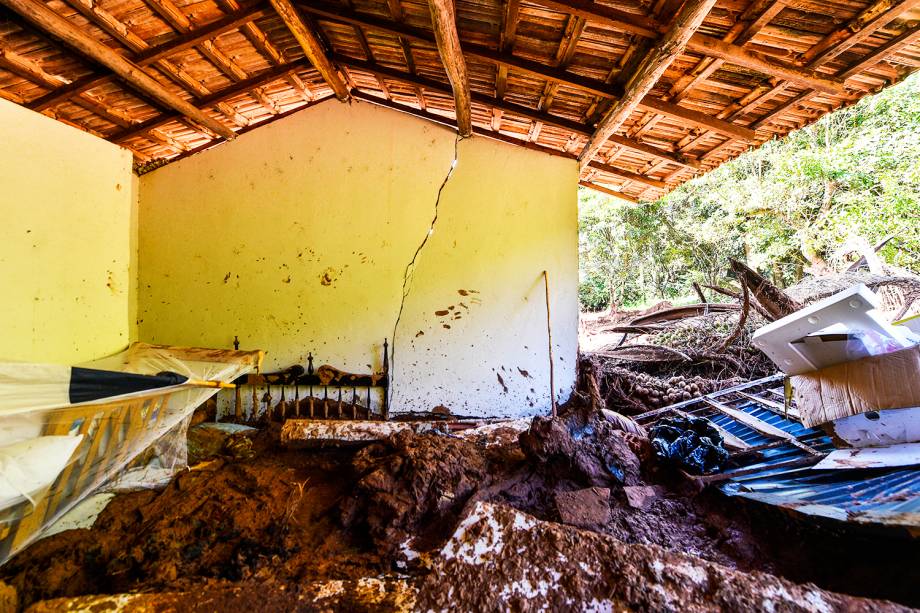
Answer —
311 46
444 21
523 111
237 89
592 86
50 22
878 15
708 45
686 22
739 56
152 55
174 16
608 191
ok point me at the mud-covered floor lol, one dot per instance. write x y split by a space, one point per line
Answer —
260 527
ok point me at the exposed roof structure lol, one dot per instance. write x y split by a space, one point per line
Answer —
647 94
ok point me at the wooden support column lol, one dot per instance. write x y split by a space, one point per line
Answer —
311 47
49 21
689 18
444 20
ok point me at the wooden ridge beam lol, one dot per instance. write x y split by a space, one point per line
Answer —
311 46
523 111
152 55
444 22
242 87
50 22
592 86
687 21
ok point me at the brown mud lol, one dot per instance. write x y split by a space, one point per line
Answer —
264 524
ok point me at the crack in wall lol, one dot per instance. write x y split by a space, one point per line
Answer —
410 267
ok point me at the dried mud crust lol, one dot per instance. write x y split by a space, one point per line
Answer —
281 519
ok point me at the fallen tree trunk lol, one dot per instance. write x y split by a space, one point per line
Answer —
775 301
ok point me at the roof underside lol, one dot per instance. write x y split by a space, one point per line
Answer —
541 74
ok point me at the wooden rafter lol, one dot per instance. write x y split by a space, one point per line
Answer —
311 46
873 18
608 191
49 21
444 22
539 70
258 80
650 70
151 56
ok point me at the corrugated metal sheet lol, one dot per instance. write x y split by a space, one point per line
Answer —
780 474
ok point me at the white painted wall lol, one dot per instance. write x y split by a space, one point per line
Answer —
66 243
295 237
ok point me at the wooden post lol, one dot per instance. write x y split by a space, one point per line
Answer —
549 340
444 20
650 70
311 47
61 28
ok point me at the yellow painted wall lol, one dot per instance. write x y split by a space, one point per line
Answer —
295 237
66 204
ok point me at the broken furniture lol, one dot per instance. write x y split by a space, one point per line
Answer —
344 403
790 343
66 431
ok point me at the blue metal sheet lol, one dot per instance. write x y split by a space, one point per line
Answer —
886 495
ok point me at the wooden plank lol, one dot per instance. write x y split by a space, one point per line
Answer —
608 191
311 47
49 21
444 20
649 71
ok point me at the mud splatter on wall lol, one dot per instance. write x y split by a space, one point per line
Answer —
317 223
66 255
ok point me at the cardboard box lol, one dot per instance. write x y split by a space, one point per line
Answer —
889 381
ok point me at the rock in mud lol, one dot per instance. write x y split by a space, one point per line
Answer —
587 508
500 559
595 452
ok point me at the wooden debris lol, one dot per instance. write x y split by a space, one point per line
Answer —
774 301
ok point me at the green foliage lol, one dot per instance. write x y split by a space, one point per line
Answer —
792 204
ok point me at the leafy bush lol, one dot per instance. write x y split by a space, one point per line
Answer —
793 204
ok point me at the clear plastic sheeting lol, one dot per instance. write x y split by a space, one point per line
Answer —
53 452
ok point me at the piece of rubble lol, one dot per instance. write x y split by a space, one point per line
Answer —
9 599
503 432
370 593
500 559
641 496
587 508
300 432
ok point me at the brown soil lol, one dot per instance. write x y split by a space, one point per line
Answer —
266 523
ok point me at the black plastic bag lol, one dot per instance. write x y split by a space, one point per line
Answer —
693 442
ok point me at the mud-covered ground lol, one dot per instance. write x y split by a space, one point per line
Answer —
260 527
